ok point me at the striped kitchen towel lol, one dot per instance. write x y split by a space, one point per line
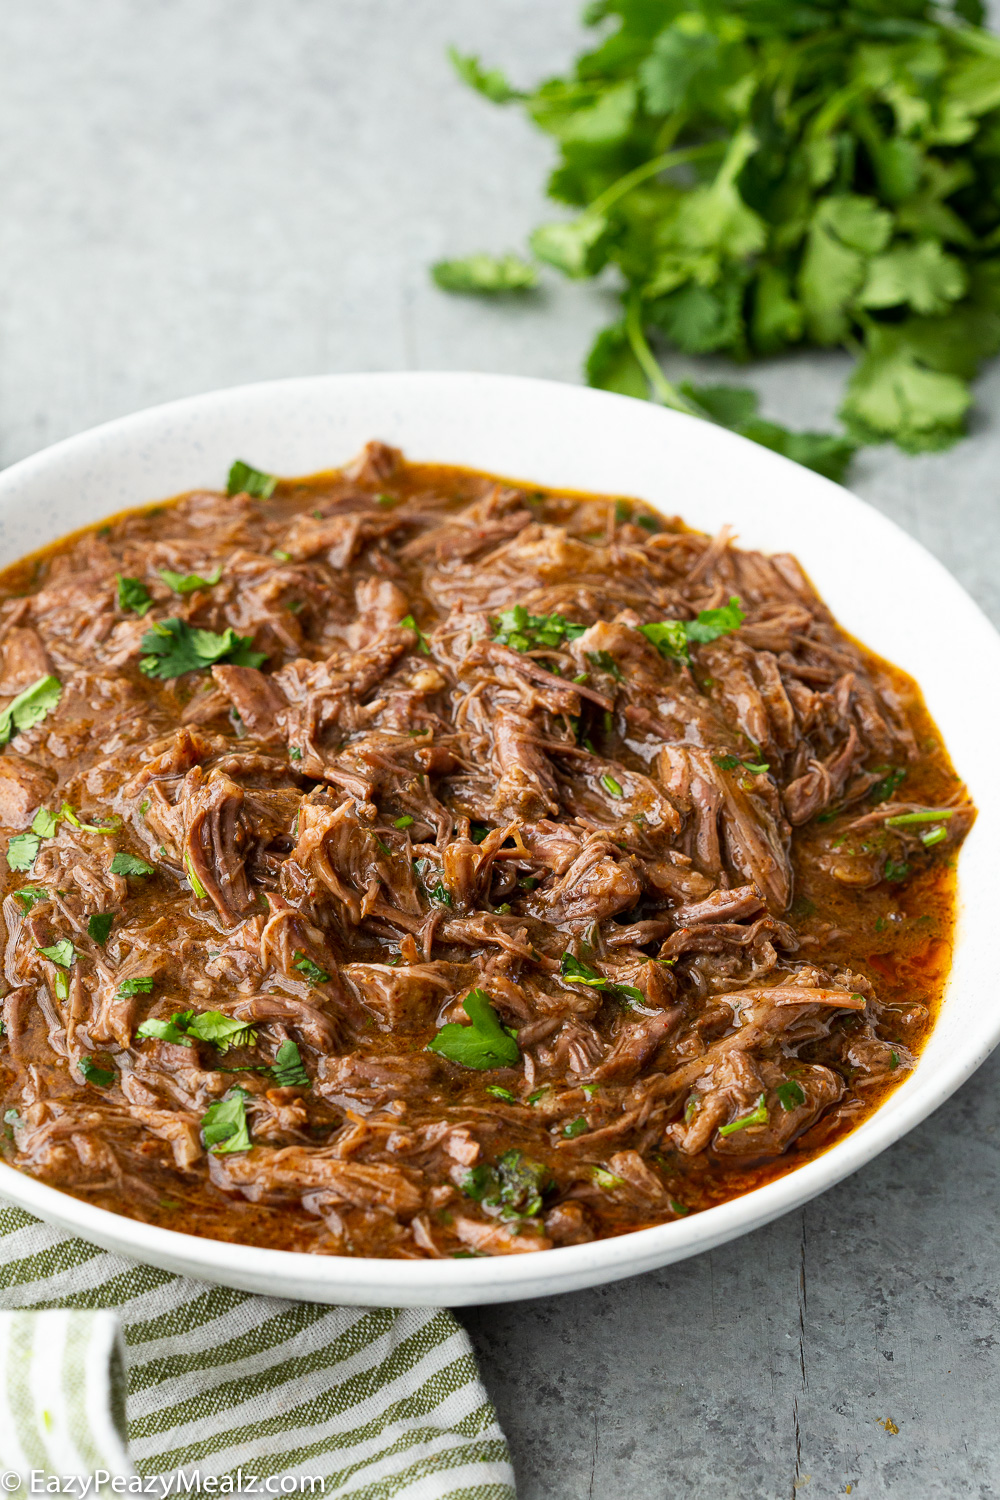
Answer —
266 1395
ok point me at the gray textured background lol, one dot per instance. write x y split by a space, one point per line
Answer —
197 193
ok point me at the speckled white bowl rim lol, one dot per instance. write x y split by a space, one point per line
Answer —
883 586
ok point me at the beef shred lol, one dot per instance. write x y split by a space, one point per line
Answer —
407 862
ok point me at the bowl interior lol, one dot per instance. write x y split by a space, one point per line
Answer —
884 588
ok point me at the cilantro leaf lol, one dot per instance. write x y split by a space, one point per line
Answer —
173 648
790 1095
514 1186
887 787
101 1078
206 1026
409 623
130 864
288 1068
186 583
711 623
142 984
486 1043
224 1124
224 1031
62 953
485 274
672 637
489 82
246 480
167 1031
133 595
45 822
30 707
30 896
22 851
576 971
312 971
99 926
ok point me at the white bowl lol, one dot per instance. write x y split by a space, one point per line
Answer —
883 587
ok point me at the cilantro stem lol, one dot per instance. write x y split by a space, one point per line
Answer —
926 815
651 168
665 392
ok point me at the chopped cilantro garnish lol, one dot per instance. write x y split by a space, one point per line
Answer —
99 926
409 623
244 479
30 707
294 753
522 631
673 637
224 1124
888 785
604 1178
133 595
895 871
62 953
124 863
734 763
503 1094
313 972
575 1127
933 836
110 825
790 1095
173 1030
606 662
577 972
142 984
438 892
206 1026
22 851
193 880
514 1185
609 784
486 1043
173 648
709 624
758 1116
404 822
101 1078
893 1060
30 896
680 1209
186 583
224 1031
288 1069
45 823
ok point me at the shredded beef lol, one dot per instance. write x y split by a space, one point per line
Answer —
482 897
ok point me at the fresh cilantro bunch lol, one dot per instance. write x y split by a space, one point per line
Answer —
765 176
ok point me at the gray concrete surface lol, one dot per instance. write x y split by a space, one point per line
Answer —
195 193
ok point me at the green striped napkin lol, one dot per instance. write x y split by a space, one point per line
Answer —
356 1403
